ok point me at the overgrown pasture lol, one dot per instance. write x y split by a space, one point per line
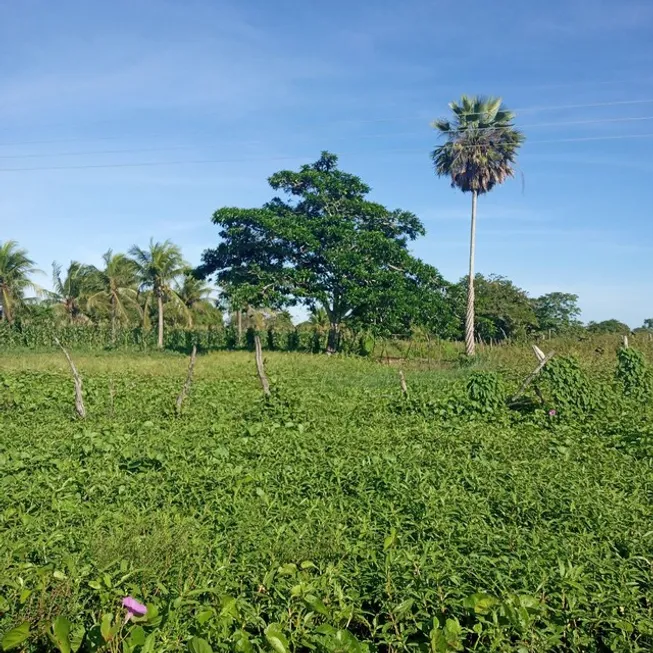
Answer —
338 515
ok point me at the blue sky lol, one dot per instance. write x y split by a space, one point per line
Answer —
92 90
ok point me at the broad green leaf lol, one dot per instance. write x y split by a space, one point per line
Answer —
204 615
152 616
276 639
242 643
76 638
61 634
148 647
199 645
105 627
229 607
136 636
287 570
480 603
316 604
390 540
15 637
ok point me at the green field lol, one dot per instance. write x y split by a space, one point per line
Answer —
338 516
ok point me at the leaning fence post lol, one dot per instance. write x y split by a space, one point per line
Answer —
79 399
543 360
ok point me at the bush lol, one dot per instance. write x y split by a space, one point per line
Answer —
632 373
486 392
568 386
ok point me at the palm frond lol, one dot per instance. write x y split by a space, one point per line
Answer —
480 145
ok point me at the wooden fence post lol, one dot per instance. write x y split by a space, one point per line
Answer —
189 379
77 379
260 368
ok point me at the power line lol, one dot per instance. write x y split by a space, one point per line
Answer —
93 152
575 84
298 157
534 109
382 135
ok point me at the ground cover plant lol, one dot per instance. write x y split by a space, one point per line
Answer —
339 515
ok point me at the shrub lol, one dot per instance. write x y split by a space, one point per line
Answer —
486 392
568 386
632 373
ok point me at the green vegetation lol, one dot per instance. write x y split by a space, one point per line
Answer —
339 515
351 509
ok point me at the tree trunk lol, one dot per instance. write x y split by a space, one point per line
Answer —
469 318
333 342
160 303
6 310
113 320
240 326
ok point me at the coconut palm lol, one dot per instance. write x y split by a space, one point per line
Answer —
70 292
479 152
195 294
115 288
15 270
319 320
158 266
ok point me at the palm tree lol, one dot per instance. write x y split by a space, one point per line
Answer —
115 287
71 292
15 270
158 266
195 294
319 319
479 153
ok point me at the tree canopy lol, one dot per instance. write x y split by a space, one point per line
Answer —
16 268
324 244
608 326
557 312
481 144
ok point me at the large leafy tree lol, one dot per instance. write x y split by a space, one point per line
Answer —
324 245
159 265
71 290
479 152
503 310
556 312
115 288
15 270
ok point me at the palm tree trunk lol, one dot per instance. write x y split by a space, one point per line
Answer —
6 307
470 345
113 320
160 303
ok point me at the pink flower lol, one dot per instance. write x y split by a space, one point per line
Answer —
133 607
552 413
